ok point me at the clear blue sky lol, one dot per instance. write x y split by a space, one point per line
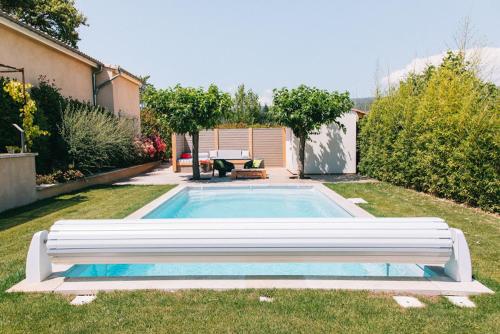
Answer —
266 44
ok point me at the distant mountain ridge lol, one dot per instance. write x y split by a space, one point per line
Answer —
363 103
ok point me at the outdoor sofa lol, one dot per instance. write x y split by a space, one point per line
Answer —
227 157
186 161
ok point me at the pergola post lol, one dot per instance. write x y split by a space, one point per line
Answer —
174 152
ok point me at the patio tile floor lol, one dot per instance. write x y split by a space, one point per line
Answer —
165 175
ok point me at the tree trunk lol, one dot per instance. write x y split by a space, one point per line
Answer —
196 164
302 155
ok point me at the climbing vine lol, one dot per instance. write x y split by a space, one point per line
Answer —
15 90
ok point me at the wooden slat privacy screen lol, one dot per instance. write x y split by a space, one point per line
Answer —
268 145
262 143
206 141
233 139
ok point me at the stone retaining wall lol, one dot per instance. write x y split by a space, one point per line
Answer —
17 180
46 191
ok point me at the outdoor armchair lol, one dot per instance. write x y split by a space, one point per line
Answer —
223 167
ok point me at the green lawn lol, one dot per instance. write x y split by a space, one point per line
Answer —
240 311
482 230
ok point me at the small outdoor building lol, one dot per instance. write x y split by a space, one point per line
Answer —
331 151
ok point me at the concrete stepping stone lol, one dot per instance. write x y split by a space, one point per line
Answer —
357 200
408 302
82 300
461 301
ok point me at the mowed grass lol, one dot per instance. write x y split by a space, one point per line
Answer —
481 229
239 311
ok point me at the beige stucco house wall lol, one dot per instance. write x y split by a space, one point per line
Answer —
121 94
22 46
72 76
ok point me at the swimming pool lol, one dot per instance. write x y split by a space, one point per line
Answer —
248 202
251 270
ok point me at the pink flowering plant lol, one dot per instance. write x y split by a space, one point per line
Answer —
151 148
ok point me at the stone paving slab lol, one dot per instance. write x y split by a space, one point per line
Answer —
90 287
165 175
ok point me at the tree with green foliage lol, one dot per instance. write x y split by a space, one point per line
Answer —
437 132
246 106
266 116
151 123
58 18
305 109
189 110
145 86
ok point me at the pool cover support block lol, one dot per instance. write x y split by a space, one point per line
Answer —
38 264
459 266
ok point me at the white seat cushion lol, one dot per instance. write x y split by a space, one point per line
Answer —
229 154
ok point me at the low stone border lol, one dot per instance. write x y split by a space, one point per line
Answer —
46 191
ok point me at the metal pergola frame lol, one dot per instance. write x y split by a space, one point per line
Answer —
12 69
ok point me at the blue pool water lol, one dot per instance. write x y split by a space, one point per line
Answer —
241 270
248 202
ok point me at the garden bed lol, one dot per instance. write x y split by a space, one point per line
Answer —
50 190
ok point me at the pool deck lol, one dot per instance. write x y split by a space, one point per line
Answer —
165 175
426 286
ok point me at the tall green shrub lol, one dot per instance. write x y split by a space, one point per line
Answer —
51 149
97 140
438 132
9 114
52 153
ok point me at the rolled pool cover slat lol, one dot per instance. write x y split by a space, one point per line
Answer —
398 240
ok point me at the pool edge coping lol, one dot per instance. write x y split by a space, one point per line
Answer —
425 287
58 284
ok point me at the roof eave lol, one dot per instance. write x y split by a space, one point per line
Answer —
52 42
43 38
125 74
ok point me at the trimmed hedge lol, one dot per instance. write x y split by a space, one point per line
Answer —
437 132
